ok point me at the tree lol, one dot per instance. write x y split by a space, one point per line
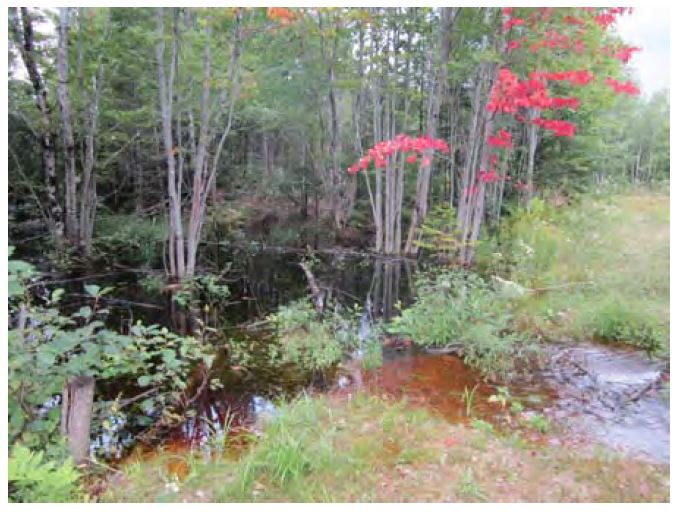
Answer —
23 35
205 156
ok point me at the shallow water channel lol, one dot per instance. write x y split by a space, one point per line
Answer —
593 394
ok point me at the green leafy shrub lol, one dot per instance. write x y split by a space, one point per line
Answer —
457 308
32 478
19 273
314 343
305 340
281 235
153 284
373 353
49 347
224 222
202 290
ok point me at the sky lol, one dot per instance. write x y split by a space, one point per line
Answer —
648 28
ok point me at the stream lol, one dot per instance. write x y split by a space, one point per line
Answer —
594 394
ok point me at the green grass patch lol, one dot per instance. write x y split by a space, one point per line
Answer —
367 449
599 268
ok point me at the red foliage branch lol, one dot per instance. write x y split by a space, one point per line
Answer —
414 146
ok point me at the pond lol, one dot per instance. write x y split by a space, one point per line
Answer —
613 396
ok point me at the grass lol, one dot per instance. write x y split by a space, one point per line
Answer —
366 449
601 268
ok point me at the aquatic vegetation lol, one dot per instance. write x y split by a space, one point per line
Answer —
311 342
468 399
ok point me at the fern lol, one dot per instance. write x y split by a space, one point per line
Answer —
32 479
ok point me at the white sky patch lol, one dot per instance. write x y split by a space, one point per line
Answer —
648 28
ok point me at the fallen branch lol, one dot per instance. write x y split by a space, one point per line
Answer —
145 394
123 302
314 287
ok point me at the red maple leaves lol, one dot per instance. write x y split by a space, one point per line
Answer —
281 14
559 127
607 18
625 54
414 146
511 94
502 140
626 88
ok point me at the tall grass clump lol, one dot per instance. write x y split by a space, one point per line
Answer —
296 444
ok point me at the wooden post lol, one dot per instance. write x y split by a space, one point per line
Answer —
76 415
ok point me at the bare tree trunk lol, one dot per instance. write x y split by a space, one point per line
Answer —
532 147
76 415
471 149
205 176
24 40
176 249
72 233
473 214
317 296
377 136
477 211
419 211
138 179
265 150
400 182
335 148
199 191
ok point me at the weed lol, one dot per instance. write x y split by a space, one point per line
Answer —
468 399
601 268
539 422
391 452
130 239
34 478
502 397
469 488
485 426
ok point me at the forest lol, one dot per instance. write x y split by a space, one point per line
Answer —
341 254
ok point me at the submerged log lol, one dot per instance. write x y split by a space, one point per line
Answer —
76 415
